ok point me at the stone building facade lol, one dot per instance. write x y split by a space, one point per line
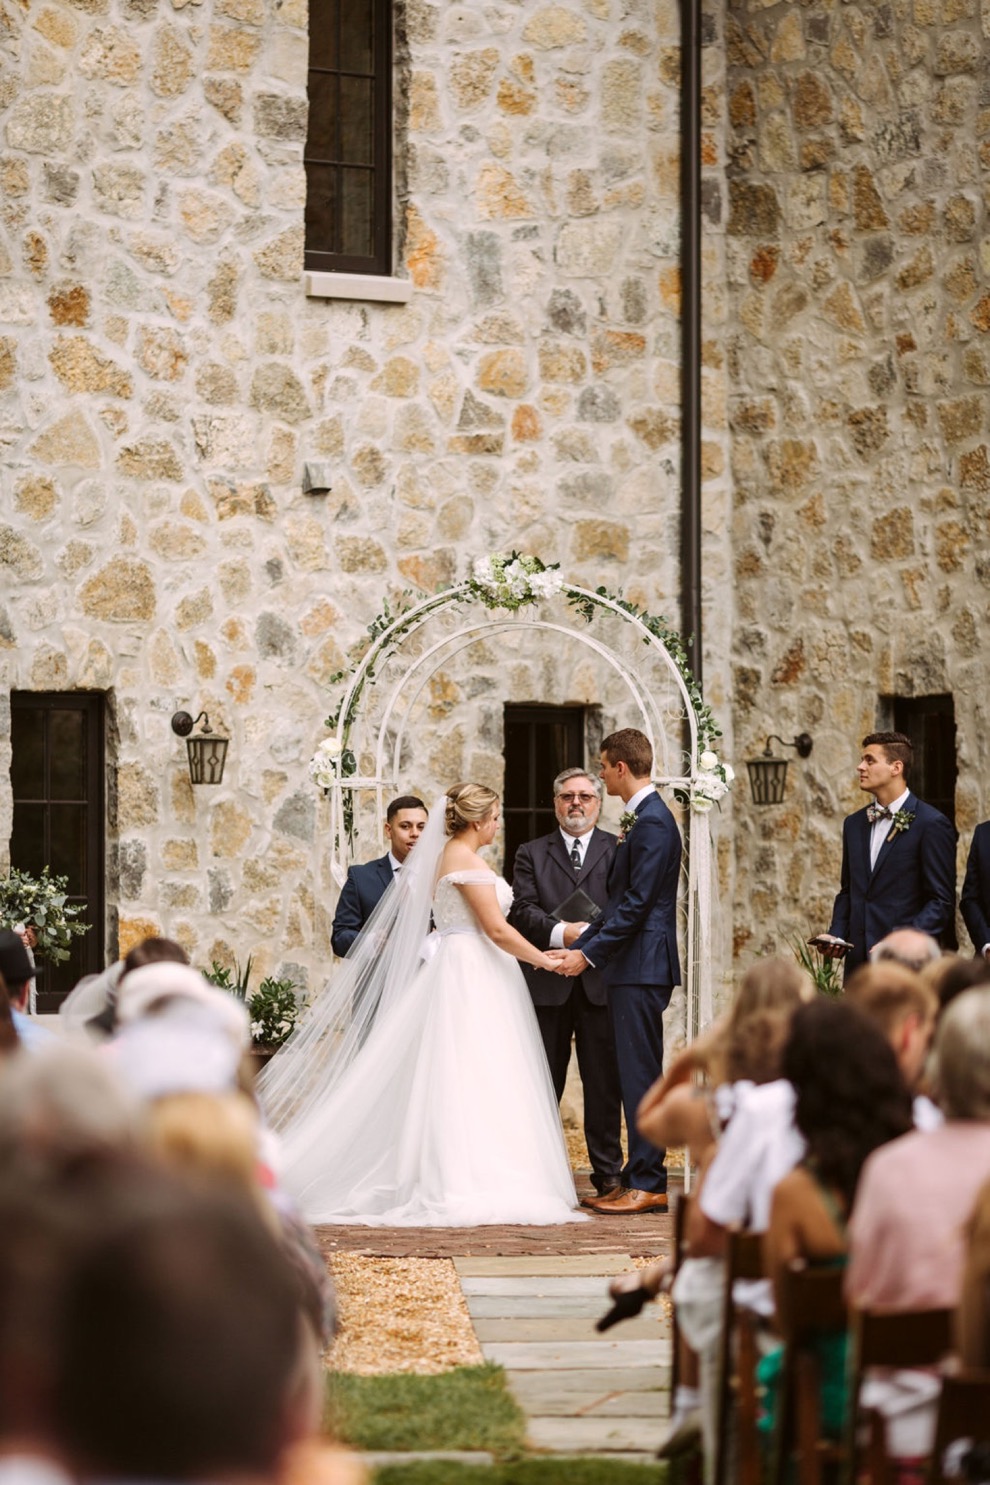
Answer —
164 377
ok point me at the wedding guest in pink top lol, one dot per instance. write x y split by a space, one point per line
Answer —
916 1194
907 1236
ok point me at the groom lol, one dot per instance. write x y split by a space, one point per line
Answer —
634 944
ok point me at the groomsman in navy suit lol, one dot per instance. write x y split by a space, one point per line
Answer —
405 821
898 857
547 873
634 944
975 899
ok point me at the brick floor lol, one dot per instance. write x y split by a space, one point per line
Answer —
645 1235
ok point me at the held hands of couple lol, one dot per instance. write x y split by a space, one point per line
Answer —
569 962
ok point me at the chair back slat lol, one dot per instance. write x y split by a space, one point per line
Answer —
963 1413
904 1339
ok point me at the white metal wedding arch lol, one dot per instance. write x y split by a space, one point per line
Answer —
406 637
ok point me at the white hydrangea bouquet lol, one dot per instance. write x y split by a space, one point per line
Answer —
509 581
709 784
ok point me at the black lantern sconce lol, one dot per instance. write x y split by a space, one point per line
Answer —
768 775
207 750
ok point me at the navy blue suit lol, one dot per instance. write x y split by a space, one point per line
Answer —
975 900
913 884
634 944
542 878
363 891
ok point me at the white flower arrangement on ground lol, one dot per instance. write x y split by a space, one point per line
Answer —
709 785
502 581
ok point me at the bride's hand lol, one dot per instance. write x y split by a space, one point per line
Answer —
552 958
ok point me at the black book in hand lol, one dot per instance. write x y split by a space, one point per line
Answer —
578 908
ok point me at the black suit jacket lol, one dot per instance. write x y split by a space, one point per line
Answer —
363 891
634 942
975 900
543 878
913 884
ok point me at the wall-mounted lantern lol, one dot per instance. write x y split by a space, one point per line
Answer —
207 750
768 774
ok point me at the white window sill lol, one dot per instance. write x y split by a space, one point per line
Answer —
368 286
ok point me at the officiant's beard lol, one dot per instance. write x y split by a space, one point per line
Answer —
578 821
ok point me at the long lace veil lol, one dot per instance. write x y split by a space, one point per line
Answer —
380 966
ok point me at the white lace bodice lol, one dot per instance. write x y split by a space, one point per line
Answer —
451 908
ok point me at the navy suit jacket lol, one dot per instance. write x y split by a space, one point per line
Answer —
913 884
363 891
543 878
634 942
975 900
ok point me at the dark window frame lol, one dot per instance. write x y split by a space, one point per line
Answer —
528 812
321 258
88 952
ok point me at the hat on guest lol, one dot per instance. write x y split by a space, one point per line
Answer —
15 961
167 991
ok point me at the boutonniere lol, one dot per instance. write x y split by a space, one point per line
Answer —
626 822
903 820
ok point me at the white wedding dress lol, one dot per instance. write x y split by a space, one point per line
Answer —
445 1115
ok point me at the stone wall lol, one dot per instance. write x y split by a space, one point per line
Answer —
857 264
163 378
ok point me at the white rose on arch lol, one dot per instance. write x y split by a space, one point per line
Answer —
701 804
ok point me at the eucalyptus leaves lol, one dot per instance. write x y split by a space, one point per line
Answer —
41 902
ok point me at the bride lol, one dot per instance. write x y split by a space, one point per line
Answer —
417 1093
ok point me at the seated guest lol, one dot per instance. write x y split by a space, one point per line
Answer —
405 821
753 1041
9 1040
973 1314
955 973
907 1244
904 1007
974 903
850 1099
182 1355
91 1007
17 970
908 947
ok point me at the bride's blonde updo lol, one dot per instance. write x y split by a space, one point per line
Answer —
468 804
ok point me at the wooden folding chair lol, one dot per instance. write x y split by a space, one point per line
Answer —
681 1210
737 1366
812 1306
908 1338
963 1413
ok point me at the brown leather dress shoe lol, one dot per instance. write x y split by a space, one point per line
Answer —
627 1202
597 1196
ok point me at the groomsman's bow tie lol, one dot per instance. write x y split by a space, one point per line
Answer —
875 812
576 856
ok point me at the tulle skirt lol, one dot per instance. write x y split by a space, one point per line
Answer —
447 1116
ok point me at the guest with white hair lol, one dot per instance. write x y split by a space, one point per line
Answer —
909 947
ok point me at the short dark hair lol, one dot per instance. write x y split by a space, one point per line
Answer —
153 951
897 746
180 1342
404 802
632 748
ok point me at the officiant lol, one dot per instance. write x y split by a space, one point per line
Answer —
559 885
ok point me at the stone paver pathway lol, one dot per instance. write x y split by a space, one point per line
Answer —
582 1392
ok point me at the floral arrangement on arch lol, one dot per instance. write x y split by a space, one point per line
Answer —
510 580
709 785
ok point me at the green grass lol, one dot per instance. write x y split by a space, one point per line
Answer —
524 1472
468 1408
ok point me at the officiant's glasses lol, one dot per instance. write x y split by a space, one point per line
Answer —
578 798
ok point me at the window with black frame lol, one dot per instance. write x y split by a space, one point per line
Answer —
57 778
349 144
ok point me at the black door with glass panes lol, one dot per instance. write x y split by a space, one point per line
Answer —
57 775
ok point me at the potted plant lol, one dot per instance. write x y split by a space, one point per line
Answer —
274 1007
